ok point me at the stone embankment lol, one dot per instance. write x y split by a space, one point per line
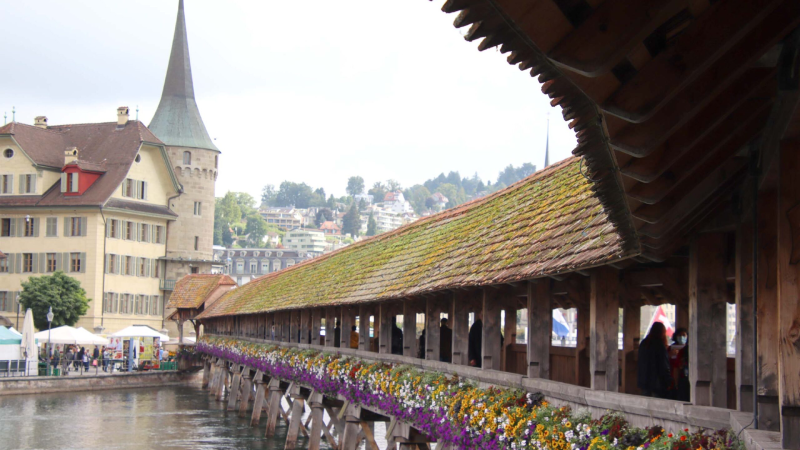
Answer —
43 385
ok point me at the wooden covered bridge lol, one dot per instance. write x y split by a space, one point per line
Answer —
684 189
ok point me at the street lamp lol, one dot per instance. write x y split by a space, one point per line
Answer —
19 307
50 316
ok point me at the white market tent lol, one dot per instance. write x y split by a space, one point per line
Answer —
69 335
9 345
140 331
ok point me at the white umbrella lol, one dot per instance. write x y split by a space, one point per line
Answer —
68 335
29 347
140 331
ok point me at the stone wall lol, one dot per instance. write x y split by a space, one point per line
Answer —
43 385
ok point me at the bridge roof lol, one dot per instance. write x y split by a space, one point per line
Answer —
549 223
192 290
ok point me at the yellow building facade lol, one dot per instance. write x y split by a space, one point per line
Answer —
100 216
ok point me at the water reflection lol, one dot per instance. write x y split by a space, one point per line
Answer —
167 417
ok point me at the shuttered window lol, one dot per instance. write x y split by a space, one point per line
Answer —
27 262
52 227
7 184
51 262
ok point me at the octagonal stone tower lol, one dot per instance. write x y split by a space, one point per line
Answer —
194 158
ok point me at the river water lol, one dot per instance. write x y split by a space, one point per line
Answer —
179 417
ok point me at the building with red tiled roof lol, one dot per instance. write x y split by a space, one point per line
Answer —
330 227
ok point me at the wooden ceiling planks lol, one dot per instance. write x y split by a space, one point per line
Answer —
662 95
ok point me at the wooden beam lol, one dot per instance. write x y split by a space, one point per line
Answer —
409 328
610 34
540 326
743 285
710 37
490 352
789 292
631 321
604 317
692 167
708 321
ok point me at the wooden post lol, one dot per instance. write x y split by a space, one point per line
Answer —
432 344
223 381
347 325
460 320
490 348
789 293
258 404
604 329
708 321
233 396
364 311
316 325
305 325
509 335
296 418
744 316
582 344
317 424
631 322
385 311
273 406
682 315
206 373
350 440
409 328
330 327
540 328
247 389
212 386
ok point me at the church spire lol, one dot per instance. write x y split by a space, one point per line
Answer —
177 120
547 144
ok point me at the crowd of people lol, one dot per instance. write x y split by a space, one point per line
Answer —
71 358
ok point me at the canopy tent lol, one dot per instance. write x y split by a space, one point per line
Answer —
69 335
15 331
8 337
140 331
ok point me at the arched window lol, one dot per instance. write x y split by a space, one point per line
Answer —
187 158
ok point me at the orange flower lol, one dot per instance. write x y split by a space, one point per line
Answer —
683 438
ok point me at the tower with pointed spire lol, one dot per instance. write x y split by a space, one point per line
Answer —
194 157
547 144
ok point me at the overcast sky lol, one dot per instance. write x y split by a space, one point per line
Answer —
312 91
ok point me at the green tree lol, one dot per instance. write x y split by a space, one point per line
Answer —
60 291
324 214
416 195
372 225
355 185
449 191
227 237
352 221
256 230
268 195
229 207
393 185
378 192
298 195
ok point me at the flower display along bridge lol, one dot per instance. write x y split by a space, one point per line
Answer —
683 190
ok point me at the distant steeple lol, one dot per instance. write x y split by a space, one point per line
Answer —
547 144
177 120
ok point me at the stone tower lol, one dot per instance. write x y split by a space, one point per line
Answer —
194 157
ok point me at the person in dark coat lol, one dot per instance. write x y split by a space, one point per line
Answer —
397 339
475 342
421 348
337 334
445 342
654 378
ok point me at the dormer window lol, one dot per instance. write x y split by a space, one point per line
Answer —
187 158
69 182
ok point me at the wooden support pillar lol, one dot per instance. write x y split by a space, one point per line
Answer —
330 327
223 381
682 315
233 396
604 329
296 418
788 325
744 316
708 310
305 326
433 310
490 348
350 440
631 323
316 325
247 389
206 373
509 335
409 328
364 311
212 385
317 424
258 404
385 317
540 327
273 406
582 344
347 325
460 323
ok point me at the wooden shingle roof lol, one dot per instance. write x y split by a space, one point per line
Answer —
192 290
548 223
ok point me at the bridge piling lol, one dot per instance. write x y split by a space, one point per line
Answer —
274 405
258 404
296 417
317 424
247 390
352 428
234 392
206 373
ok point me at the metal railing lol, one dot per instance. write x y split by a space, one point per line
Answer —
167 285
14 368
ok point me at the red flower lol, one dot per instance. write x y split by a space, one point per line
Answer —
669 435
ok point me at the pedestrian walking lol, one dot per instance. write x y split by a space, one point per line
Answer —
654 377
